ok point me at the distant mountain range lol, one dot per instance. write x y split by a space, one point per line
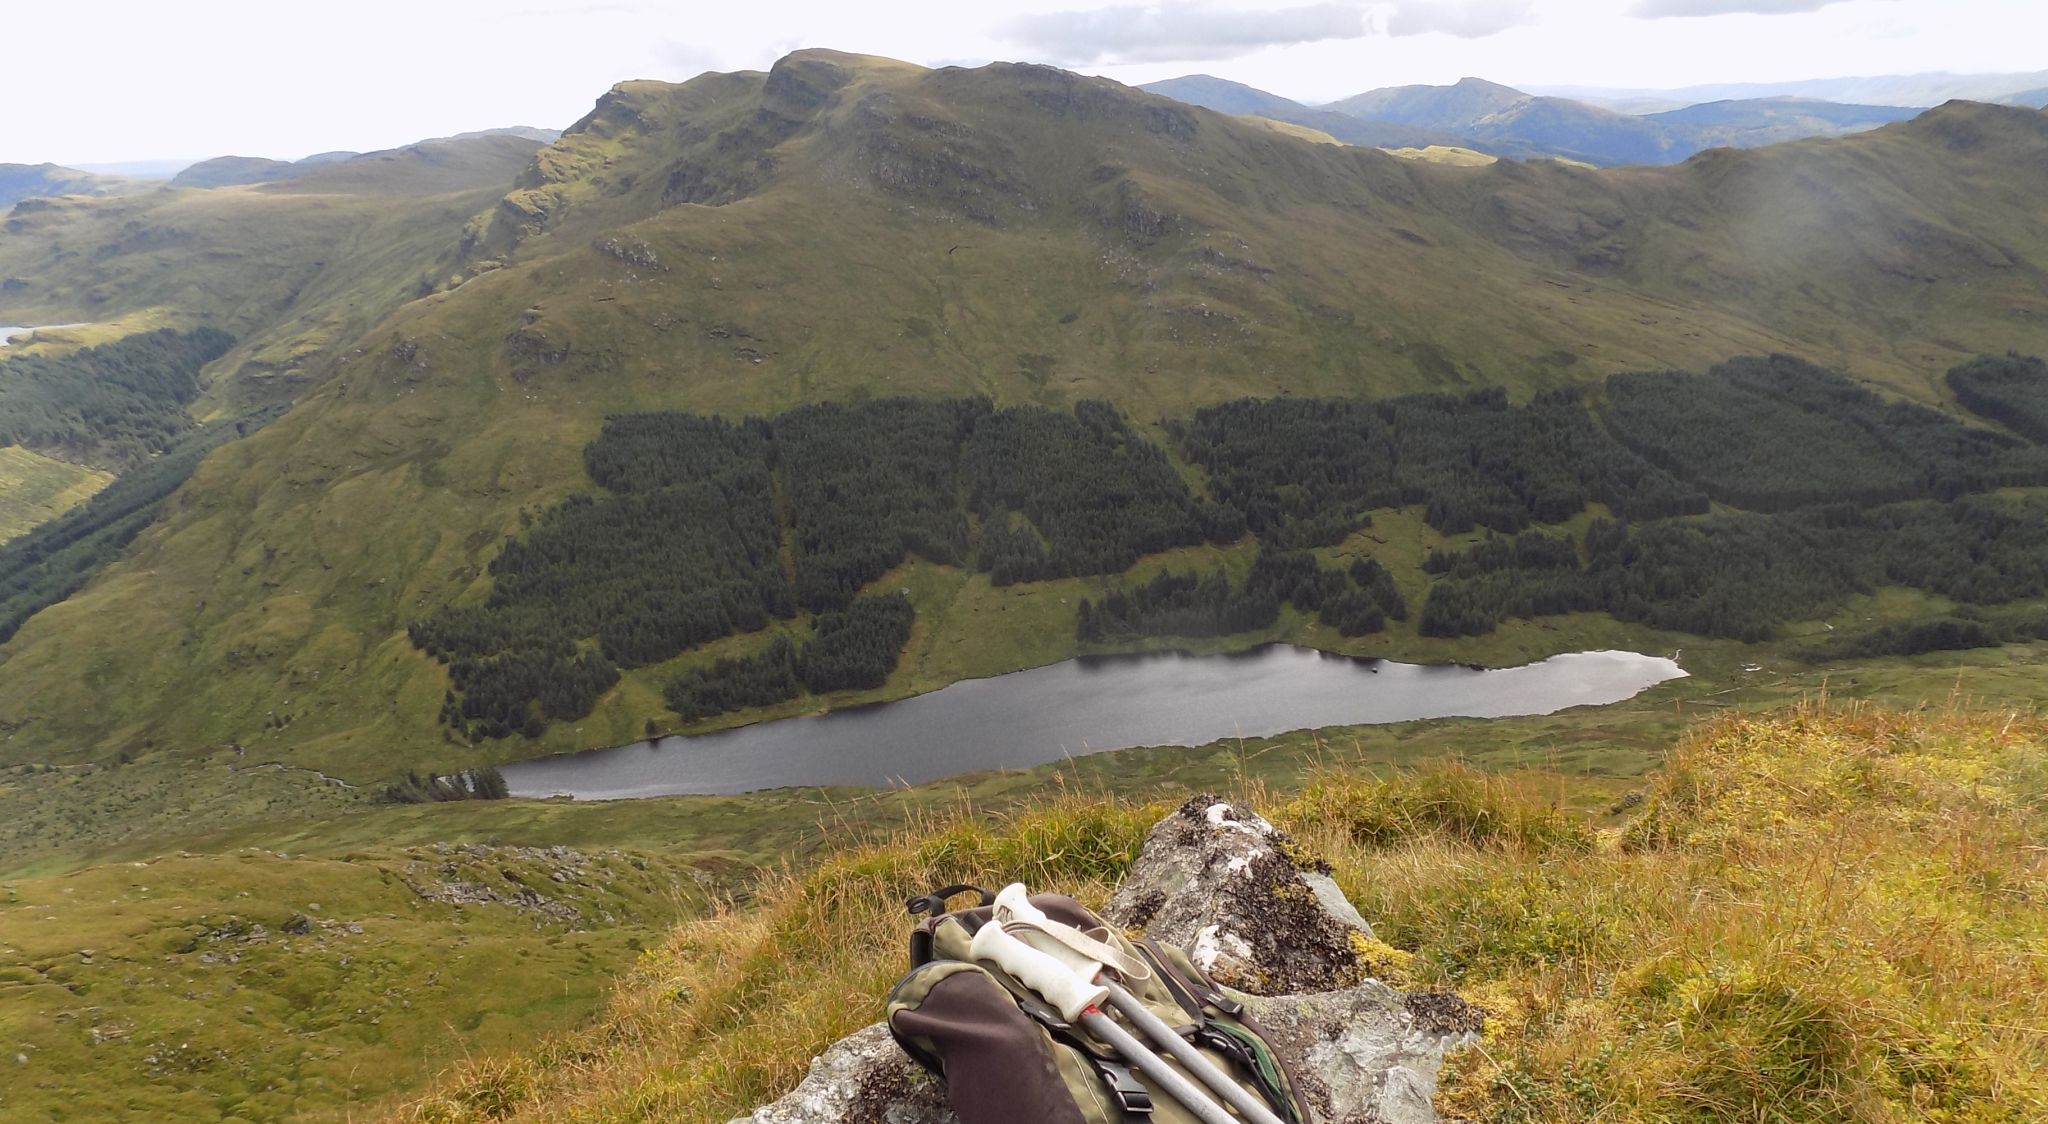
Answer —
1503 121
1225 96
1919 90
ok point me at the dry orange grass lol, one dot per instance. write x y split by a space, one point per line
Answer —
1823 914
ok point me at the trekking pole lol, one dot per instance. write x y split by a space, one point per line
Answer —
1078 1001
1014 907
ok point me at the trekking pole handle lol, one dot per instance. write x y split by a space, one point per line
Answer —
1066 989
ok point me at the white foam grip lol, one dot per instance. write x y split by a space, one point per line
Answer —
1056 983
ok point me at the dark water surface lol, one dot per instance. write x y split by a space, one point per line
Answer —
1083 706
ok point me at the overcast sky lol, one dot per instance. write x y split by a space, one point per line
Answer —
158 79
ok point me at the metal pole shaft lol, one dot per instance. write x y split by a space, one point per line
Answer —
1169 1079
1243 1100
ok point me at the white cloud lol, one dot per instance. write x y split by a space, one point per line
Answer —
1188 31
1663 9
1466 19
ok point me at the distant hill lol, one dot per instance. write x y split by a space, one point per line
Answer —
522 132
26 181
1751 122
1247 101
1921 90
427 168
2034 99
1459 108
233 171
466 160
1492 117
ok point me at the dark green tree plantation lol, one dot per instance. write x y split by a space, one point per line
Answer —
1356 601
1777 434
2009 389
869 484
1062 494
1305 472
116 404
735 683
56 559
707 528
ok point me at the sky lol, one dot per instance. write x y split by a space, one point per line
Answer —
134 80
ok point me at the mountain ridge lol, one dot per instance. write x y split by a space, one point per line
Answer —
1503 121
711 245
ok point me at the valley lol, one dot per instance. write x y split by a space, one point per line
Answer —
776 393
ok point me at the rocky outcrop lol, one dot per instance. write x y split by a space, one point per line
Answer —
1237 893
1260 915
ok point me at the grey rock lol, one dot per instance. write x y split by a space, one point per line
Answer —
1366 1053
863 1079
1234 891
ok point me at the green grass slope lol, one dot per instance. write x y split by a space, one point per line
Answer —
843 226
35 488
24 181
252 985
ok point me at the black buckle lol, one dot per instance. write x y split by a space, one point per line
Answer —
1131 1096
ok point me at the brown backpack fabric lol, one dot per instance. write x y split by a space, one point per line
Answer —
1007 1058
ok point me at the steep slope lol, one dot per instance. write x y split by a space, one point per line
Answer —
25 181
843 226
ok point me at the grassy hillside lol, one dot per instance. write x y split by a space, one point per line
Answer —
25 181
252 985
35 488
1815 915
719 247
232 171
294 272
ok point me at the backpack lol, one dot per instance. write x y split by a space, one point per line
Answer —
1007 1057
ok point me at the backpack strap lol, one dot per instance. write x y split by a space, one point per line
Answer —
1244 1043
934 903
931 907
1201 991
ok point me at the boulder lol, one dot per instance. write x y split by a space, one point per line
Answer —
1238 894
1269 923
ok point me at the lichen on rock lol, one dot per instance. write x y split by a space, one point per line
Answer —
1236 892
